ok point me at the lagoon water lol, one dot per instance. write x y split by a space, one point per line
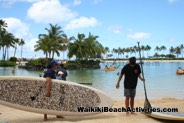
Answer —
161 79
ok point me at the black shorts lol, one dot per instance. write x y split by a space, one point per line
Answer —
130 92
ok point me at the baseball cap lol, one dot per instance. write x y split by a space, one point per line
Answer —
53 63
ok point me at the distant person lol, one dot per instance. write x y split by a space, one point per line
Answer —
63 69
49 75
60 75
106 67
13 70
132 72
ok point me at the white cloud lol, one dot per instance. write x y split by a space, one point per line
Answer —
17 27
77 2
21 30
50 11
172 1
172 40
82 22
116 29
139 35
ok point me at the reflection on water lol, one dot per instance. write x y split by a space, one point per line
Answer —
161 79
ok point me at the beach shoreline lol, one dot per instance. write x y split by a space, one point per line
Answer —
16 116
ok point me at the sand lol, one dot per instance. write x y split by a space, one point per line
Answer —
17 116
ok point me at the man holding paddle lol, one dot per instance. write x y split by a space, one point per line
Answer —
132 72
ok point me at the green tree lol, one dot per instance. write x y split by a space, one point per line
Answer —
17 41
85 48
53 42
21 43
182 49
177 51
43 44
106 51
77 48
7 41
163 48
147 48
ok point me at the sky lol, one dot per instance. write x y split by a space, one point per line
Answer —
118 23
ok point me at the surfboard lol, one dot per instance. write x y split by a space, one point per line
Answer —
29 94
175 116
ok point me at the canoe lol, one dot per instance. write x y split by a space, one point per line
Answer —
109 69
180 72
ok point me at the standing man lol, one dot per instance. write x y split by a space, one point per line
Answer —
49 75
63 70
132 73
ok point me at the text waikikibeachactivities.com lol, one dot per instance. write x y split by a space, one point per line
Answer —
122 109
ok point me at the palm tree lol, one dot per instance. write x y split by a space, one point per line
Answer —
43 44
94 47
15 46
85 48
57 40
77 47
119 52
106 51
157 49
163 48
114 50
143 48
177 51
136 49
3 25
147 48
7 41
182 49
171 50
122 51
21 43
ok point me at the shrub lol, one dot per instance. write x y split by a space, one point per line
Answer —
7 63
13 59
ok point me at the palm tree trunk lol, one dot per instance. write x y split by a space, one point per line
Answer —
53 55
21 51
15 50
7 53
4 54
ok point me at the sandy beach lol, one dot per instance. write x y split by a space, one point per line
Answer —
16 116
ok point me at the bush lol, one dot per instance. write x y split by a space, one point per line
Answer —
13 59
7 63
83 64
40 61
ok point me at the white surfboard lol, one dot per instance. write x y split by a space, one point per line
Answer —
28 94
175 116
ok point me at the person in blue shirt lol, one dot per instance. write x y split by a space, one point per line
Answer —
49 75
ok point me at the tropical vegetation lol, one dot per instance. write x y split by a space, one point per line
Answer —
81 48
7 40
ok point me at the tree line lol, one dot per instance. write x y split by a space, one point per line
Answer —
159 51
8 40
82 47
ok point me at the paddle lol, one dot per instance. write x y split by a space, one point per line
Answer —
147 104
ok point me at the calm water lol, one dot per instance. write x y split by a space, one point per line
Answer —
161 80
